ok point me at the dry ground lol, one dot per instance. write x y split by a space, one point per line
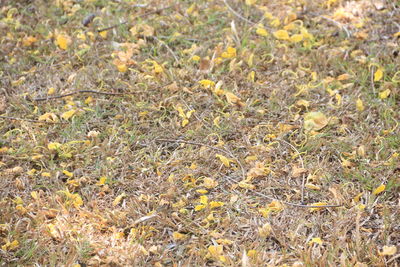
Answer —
204 134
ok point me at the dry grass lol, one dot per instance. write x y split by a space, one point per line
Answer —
57 210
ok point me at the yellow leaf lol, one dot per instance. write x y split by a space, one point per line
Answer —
199 207
343 77
29 40
358 197
378 75
216 204
265 212
119 235
189 113
297 172
250 2
54 146
21 209
203 200
73 182
275 22
207 83
209 183
268 15
195 58
77 200
216 252
88 100
62 41
193 166
312 186
262 32
338 99
318 204
67 173
265 230
384 94
295 38
252 253
258 170
178 236
190 10
53 230
122 67
185 122
216 121
229 53
233 99
245 185
303 103
50 117
67 115
10 245
34 195
103 34
250 158
275 206
223 159
360 105
36 157
361 207
316 240
315 121
118 199
180 111
51 91
252 75
281 35
388 251
201 191
224 241
379 189
157 68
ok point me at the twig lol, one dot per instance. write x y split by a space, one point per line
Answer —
393 258
138 16
144 218
295 204
77 92
237 14
302 165
337 24
372 79
29 120
286 202
211 147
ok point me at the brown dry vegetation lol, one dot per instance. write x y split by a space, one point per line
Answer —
206 132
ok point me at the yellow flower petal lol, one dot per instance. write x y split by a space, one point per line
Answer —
62 41
378 75
384 94
67 115
359 105
379 189
388 251
295 38
262 32
315 121
223 159
281 35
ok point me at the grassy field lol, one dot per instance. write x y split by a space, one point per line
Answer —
199 133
